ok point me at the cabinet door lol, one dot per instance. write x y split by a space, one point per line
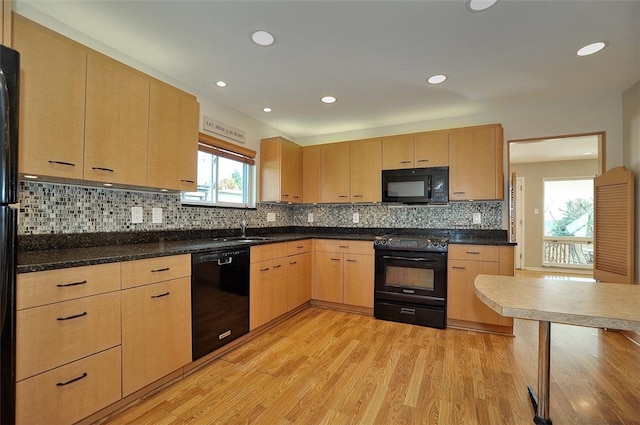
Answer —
328 284
336 173
299 280
462 303
117 123
173 138
366 170
260 294
397 152
291 173
475 163
311 174
278 287
52 98
431 149
358 280
156 332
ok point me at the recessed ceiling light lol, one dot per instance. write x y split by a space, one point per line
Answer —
328 99
480 5
107 184
221 84
30 176
588 153
267 109
436 79
592 48
262 38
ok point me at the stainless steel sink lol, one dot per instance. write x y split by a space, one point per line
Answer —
248 239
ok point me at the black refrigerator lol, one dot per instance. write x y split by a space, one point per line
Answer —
9 85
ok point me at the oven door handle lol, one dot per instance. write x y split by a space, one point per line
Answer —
417 259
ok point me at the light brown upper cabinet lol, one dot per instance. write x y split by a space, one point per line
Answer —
117 122
366 169
397 152
475 163
419 150
336 173
431 149
280 170
85 116
311 174
173 138
52 98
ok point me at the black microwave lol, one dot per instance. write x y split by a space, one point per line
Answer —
416 185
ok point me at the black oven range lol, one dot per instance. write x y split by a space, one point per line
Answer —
411 279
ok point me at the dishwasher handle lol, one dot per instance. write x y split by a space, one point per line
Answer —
224 261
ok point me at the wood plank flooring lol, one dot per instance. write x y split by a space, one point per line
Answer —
330 367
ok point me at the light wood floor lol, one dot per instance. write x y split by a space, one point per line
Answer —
329 367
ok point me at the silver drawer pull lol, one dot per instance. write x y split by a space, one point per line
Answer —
352 261
423 160
160 295
343 246
64 285
277 266
71 381
404 310
405 162
161 270
265 269
335 259
75 316
293 263
473 252
187 181
458 267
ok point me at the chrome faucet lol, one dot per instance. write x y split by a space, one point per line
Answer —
243 228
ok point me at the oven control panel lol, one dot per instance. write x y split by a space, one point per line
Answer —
412 243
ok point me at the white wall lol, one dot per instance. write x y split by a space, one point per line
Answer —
631 143
522 121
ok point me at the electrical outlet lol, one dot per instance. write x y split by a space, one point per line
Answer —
356 217
477 218
136 215
310 218
156 215
271 216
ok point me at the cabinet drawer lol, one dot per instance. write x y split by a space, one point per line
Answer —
337 245
474 252
47 287
70 393
297 247
55 334
151 270
268 251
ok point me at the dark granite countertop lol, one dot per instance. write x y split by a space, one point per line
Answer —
49 252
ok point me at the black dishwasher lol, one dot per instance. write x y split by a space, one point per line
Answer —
219 298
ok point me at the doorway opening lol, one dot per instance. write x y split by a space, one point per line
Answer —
556 231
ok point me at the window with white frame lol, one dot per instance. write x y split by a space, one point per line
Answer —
225 175
568 222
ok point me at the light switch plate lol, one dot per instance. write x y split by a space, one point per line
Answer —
271 216
156 215
356 217
310 218
477 218
136 215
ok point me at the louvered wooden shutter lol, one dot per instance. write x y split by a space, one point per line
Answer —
614 226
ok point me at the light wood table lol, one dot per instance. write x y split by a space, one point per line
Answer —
600 305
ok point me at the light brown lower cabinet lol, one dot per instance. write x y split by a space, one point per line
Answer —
280 280
156 332
344 272
71 392
464 308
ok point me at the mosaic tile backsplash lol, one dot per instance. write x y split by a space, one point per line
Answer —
47 208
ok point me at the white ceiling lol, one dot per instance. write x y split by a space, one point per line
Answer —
374 56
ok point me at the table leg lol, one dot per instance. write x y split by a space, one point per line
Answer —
541 403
